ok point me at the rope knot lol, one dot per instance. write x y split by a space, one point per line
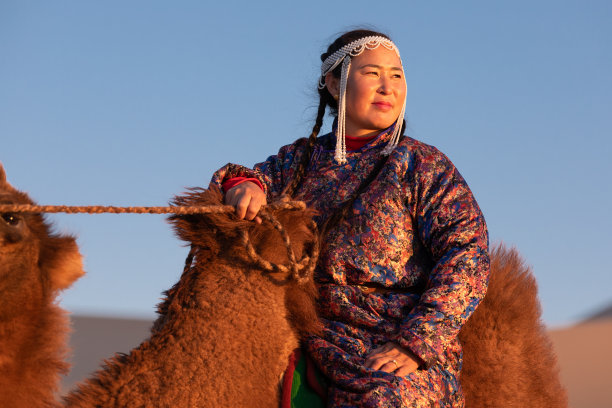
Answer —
301 270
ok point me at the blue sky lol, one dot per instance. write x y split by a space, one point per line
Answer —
130 102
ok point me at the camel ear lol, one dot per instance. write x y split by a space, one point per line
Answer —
2 175
62 261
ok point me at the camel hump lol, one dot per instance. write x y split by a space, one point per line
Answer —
508 357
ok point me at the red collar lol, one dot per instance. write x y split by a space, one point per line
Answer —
356 143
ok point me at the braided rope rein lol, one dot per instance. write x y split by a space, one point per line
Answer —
173 209
301 270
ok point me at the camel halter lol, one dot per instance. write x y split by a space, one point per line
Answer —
343 55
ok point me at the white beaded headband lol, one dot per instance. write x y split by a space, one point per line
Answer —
343 55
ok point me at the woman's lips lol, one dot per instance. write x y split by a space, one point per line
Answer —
383 105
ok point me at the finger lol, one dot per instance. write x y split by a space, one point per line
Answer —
386 365
234 195
374 364
380 355
378 361
404 365
390 366
242 206
254 207
251 211
230 196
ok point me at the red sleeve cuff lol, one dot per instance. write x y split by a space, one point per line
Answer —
234 181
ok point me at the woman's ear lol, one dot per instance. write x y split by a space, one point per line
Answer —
333 85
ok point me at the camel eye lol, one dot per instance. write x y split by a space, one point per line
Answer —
11 219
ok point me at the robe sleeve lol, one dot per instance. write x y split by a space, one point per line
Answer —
452 227
274 173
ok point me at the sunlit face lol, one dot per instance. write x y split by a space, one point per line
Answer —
375 91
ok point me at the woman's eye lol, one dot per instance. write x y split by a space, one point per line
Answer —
11 219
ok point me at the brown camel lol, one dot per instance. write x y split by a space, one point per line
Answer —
508 358
226 329
35 264
224 333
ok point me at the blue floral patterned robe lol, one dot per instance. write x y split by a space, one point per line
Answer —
416 230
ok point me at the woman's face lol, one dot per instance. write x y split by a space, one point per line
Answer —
375 91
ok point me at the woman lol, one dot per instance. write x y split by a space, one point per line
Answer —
405 258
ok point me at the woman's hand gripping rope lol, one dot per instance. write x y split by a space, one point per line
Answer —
247 198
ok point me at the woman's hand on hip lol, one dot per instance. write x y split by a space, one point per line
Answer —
392 358
247 198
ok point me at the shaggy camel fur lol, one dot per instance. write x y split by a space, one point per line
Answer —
508 358
225 330
35 264
226 323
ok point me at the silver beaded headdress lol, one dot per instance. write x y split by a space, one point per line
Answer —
343 55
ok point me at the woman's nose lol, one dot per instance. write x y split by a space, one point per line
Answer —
384 86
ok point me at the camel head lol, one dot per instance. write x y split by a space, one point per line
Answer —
221 233
35 263
220 237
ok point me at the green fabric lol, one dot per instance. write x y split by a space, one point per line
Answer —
302 396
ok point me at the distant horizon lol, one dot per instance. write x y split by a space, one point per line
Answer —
605 313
